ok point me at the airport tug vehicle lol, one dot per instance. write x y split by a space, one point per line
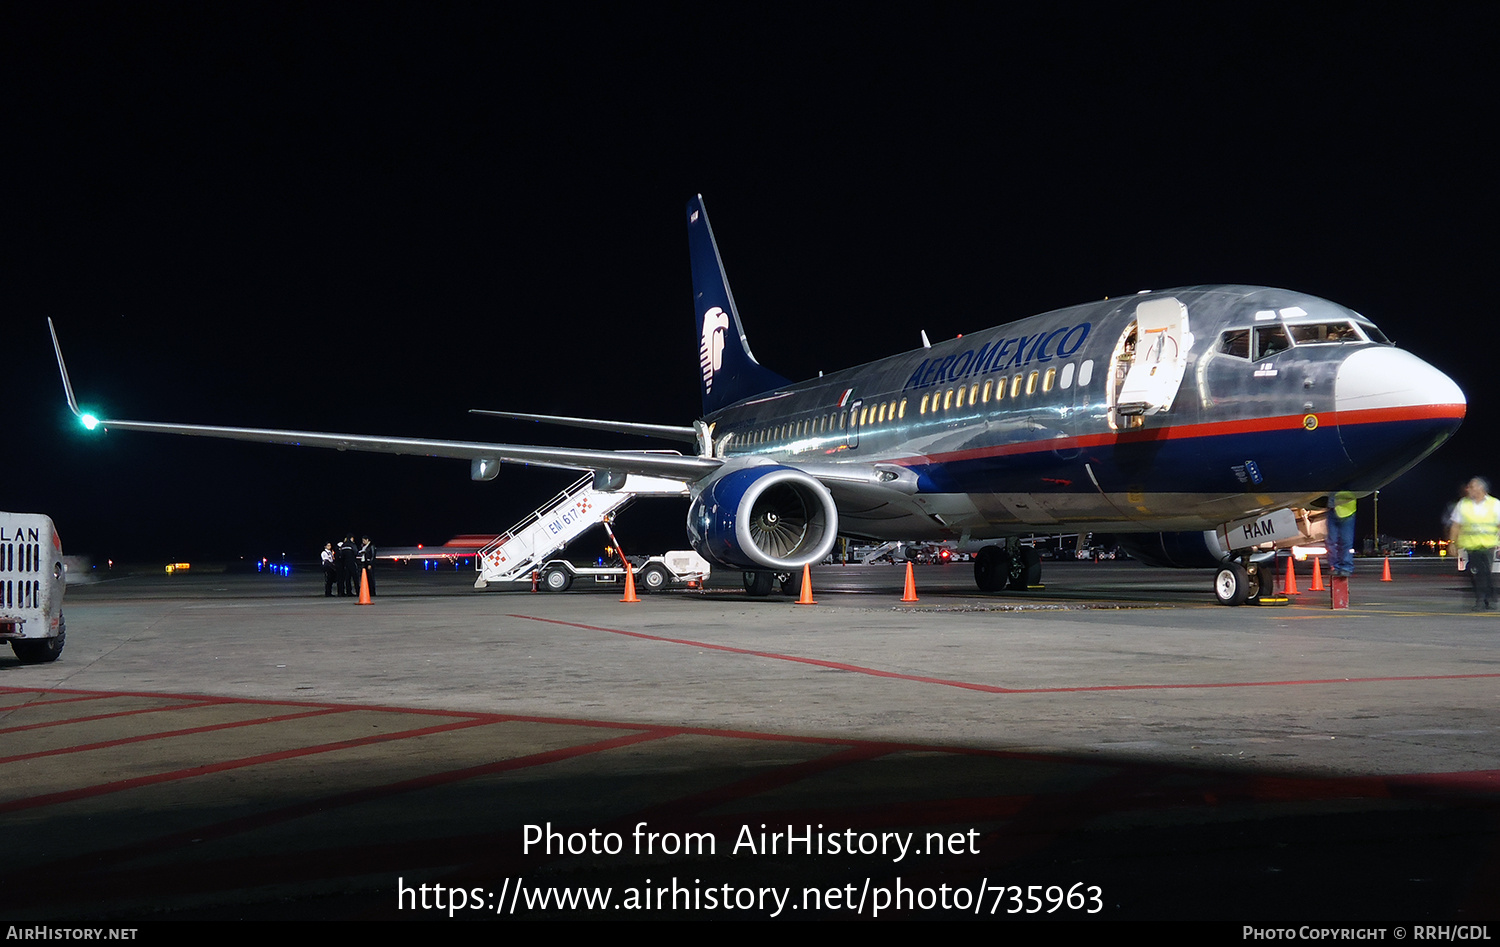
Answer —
31 587
678 569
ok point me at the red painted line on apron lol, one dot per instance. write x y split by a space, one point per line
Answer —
1288 683
118 713
1480 780
311 807
478 716
44 703
261 702
236 872
141 738
816 662
96 695
994 689
86 792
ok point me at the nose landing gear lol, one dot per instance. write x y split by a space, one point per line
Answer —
1235 584
1246 582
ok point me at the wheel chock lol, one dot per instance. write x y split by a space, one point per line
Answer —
1339 591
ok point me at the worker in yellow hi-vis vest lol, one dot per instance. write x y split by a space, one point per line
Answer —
1475 529
1341 534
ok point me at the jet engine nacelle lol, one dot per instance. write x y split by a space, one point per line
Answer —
771 517
1195 550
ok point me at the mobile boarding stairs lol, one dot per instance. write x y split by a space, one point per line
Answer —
514 554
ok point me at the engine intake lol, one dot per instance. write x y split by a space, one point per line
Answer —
768 517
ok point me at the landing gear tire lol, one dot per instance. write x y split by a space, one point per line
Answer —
653 578
992 569
1025 570
557 580
759 584
1232 585
39 650
791 584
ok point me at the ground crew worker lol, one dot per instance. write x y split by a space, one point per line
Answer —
348 563
330 569
1476 530
1341 534
367 562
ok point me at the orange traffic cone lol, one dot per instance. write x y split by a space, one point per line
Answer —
364 587
806 597
1385 576
909 594
1291 578
630 595
1317 582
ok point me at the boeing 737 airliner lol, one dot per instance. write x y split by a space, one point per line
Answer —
1204 424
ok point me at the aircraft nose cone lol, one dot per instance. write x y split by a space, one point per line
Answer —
1385 379
1393 409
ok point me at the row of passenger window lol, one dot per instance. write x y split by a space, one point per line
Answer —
1019 385
823 424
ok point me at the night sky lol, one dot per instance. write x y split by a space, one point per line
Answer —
371 218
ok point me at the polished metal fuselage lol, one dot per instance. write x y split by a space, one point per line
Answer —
953 456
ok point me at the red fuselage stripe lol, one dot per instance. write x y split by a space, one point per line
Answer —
1287 422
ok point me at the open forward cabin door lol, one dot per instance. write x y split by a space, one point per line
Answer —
1157 360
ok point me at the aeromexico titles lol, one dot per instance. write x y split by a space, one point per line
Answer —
1203 425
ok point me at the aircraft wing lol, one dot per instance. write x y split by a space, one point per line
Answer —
483 455
636 462
670 431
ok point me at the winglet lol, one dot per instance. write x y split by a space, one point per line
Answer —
63 367
88 420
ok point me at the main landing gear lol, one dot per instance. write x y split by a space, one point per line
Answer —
1012 566
761 584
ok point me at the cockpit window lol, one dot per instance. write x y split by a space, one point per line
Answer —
1375 334
1235 342
1269 340
1324 333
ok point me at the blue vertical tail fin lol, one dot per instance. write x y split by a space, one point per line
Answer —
730 372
